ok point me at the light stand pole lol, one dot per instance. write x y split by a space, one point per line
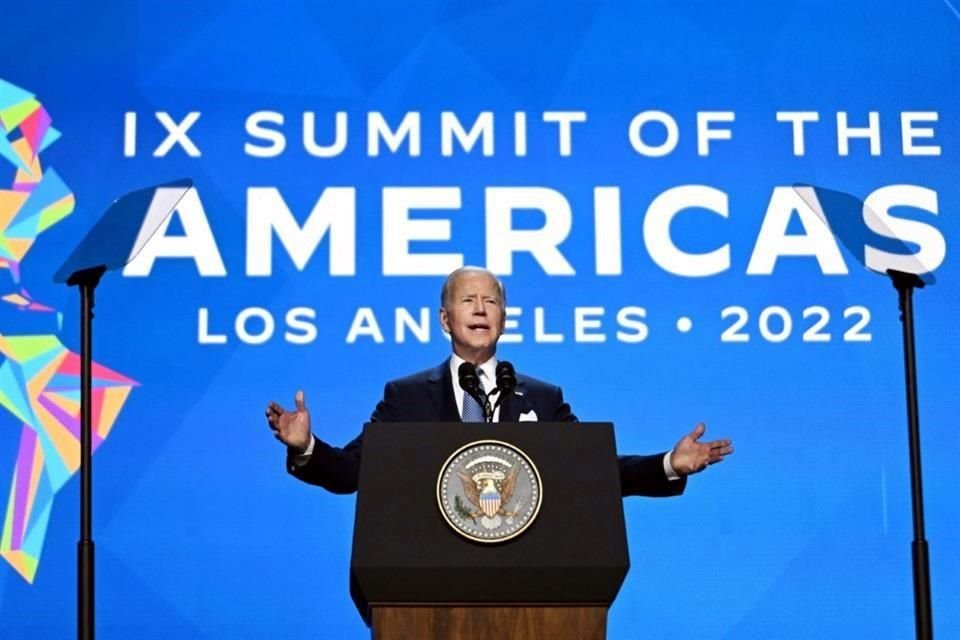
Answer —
86 281
905 283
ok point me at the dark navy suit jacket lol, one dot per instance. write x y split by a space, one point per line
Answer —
428 397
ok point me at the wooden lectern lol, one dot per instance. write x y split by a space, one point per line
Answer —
414 577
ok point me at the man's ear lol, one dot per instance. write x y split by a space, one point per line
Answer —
444 321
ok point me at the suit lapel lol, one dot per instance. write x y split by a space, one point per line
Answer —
441 393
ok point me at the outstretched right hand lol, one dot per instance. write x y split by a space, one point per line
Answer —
290 427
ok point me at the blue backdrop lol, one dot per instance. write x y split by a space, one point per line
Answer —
803 533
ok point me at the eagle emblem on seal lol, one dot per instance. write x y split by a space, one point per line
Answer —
489 492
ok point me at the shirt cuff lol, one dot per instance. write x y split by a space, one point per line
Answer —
300 459
667 467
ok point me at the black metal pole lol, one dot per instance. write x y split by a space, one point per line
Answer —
87 282
905 283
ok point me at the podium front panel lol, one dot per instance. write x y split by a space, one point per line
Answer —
405 552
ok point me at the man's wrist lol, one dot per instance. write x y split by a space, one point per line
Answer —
302 453
668 469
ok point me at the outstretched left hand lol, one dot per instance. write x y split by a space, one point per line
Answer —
691 456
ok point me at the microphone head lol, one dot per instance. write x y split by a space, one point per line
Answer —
469 380
506 377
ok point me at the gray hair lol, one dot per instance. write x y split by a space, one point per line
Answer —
448 284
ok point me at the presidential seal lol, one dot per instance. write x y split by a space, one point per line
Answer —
489 491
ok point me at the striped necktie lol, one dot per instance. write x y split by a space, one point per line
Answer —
473 410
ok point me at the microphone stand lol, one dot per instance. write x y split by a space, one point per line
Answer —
905 283
504 391
470 383
487 408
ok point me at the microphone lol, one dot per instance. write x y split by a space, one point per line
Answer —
470 383
506 378
506 381
469 380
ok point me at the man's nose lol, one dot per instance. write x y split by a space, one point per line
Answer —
479 308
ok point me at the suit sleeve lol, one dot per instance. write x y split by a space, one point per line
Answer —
639 475
644 476
338 469
562 411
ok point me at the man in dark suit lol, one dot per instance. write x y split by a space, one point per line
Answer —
472 311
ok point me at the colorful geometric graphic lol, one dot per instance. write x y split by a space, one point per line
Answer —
39 377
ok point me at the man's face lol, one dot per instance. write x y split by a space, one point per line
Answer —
473 316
